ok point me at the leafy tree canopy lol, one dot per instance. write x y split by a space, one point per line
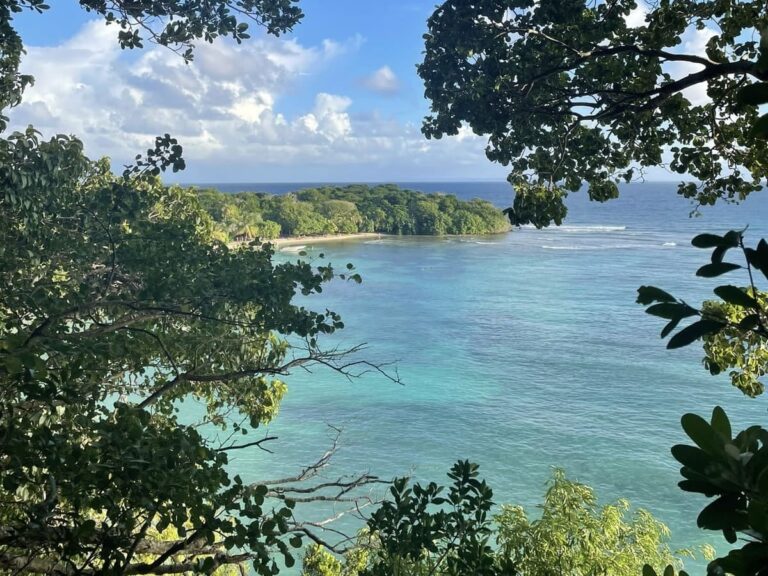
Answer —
448 531
117 304
386 209
569 94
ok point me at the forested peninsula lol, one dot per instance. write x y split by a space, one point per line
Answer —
384 209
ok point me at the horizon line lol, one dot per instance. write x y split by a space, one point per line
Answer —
342 182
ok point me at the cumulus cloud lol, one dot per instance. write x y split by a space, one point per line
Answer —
383 81
227 109
329 116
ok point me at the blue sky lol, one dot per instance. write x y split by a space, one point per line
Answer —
336 100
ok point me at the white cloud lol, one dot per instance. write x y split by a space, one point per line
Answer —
331 114
252 107
636 17
383 81
228 110
694 42
465 133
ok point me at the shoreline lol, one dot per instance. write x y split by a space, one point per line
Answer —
301 241
306 240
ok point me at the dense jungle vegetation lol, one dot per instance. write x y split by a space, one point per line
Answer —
386 209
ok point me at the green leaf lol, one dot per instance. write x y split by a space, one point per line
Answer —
716 269
208 565
703 435
13 365
723 514
718 254
762 482
736 296
749 322
671 325
708 241
733 237
671 310
757 515
699 487
691 456
693 332
650 294
721 423
759 257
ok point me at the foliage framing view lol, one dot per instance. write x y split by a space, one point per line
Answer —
569 94
118 303
731 466
431 530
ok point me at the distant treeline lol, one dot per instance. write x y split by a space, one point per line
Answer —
386 209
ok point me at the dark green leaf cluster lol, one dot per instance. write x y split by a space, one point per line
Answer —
167 153
756 95
385 209
731 468
712 320
538 205
427 524
668 571
569 94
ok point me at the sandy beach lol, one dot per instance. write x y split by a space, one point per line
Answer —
307 240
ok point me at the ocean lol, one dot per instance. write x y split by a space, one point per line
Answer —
521 352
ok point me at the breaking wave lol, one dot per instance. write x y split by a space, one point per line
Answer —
589 229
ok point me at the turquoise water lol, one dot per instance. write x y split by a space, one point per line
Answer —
521 352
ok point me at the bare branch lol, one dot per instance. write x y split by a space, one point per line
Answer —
249 444
333 359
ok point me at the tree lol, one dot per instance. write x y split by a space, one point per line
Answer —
569 93
573 535
448 531
430 220
300 218
343 214
176 24
119 303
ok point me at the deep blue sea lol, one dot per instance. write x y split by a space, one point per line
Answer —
521 352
